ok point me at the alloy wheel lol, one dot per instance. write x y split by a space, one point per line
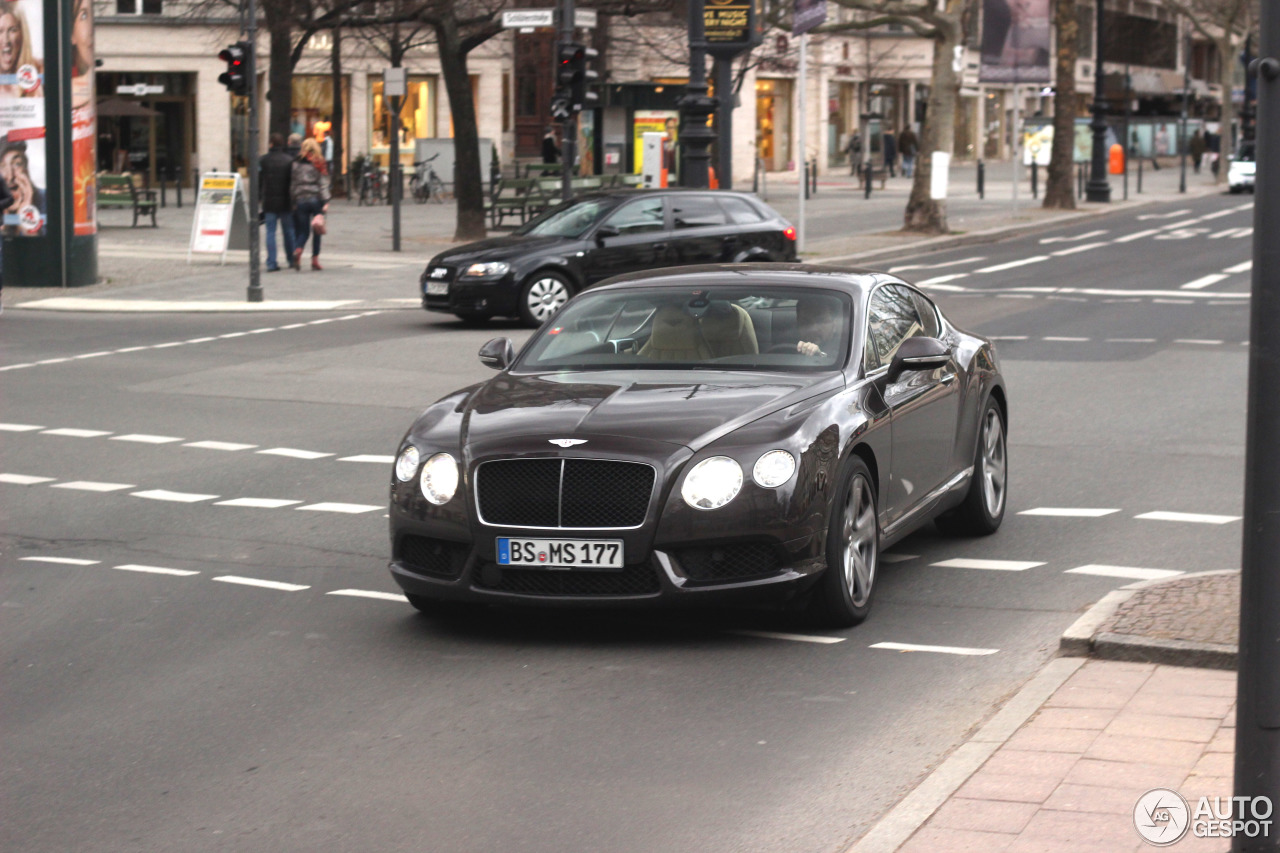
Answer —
994 470
859 536
545 296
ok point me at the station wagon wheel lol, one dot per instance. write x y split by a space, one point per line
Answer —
542 296
843 596
984 504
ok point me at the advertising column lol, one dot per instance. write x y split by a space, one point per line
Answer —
48 139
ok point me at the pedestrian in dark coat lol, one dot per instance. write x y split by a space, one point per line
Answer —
275 171
550 150
908 146
1196 146
309 186
890 153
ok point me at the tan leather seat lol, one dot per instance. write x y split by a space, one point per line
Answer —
675 337
728 330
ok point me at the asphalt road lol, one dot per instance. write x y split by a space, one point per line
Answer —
154 700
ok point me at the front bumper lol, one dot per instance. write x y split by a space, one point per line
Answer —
478 296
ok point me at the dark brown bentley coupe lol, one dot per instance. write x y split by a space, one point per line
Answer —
745 432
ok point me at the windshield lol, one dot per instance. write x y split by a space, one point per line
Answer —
775 328
570 219
1245 154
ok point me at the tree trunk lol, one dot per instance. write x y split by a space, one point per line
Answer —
280 75
1226 70
924 213
468 188
337 117
1059 191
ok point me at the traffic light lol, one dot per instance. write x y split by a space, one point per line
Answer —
574 79
236 77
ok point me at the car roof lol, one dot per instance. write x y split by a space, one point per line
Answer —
795 275
635 192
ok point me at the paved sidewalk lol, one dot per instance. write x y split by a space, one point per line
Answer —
147 269
1062 765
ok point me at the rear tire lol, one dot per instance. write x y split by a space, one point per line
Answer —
842 597
983 507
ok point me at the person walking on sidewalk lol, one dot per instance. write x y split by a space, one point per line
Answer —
309 188
854 149
275 171
908 145
890 153
1197 147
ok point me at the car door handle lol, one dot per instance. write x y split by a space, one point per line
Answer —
659 247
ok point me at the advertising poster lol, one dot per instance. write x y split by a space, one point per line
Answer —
215 210
22 119
586 144
656 121
84 124
1015 41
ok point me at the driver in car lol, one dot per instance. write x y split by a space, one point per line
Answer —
817 324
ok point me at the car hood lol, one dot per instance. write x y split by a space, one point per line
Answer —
689 408
499 249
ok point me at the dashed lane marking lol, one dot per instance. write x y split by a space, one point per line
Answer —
91 486
1069 511
64 561
1168 215
795 638
1064 340
1204 342
258 503
293 453
1247 266
176 497
1128 572
219 445
145 439
942 650
937 282
369 457
350 509
1204 281
1076 237
24 479
370 593
1087 247
19 427
1137 235
75 433
973 260
1021 262
258 582
1192 517
987 565
156 570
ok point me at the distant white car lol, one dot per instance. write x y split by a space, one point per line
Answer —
1240 173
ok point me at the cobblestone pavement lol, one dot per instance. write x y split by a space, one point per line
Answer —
1196 609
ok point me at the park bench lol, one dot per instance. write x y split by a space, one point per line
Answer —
120 191
515 197
541 170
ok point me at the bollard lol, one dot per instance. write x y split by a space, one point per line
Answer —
867 180
1079 180
1139 176
805 177
1035 179
982 176
815 177
164 185
177 184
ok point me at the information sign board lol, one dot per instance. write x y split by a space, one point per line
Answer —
215 210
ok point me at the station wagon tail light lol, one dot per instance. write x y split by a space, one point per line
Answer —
439 479
407 464
789 232
712 483
774 468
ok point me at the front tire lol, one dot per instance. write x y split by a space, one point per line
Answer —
542 295
842 597
983 507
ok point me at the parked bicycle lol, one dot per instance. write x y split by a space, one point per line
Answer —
425 185
373 184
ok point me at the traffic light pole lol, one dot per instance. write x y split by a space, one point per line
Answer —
569 141
696 107
255 273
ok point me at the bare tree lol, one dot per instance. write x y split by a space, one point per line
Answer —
1058 191
945 22
1226 23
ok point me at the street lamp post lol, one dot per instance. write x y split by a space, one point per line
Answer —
1098 189
1186 85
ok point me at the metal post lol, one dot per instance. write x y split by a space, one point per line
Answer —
802 154
1139 175
981 179
1098 189
177 184
255 273
393 173
1257 757
696 106
1017 160
1035 178
1186 84
866 181
569 127
1124 143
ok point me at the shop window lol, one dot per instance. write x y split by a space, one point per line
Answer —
417 117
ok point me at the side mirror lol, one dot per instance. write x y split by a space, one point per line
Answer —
606 231
918 354
498 353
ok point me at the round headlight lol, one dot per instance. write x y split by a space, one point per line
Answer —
407 464
439 478
712 483
774 468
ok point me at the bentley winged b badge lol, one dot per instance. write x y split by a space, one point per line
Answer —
567 442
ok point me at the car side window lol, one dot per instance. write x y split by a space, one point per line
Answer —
697 211
638 217
740 213
928 314
892 317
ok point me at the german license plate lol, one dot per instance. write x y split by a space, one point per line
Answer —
436 287
594 554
